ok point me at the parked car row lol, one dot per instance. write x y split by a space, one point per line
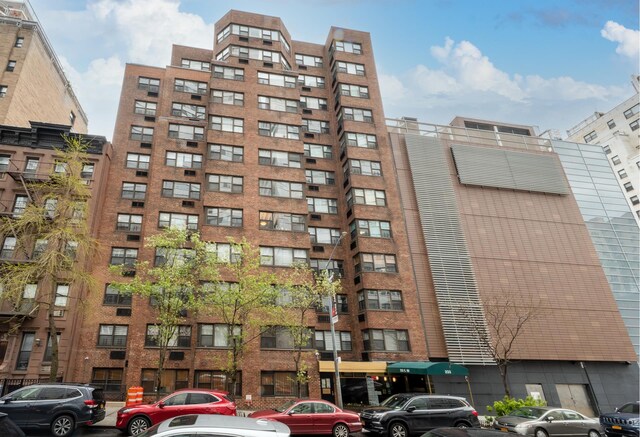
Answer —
61 408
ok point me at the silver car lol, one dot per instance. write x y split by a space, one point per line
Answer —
548 422
213 424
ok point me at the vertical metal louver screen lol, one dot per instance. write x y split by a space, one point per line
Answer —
454 282
509 169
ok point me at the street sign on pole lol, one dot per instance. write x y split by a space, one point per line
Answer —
334 313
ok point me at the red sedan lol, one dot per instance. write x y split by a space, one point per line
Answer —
314 417
138 418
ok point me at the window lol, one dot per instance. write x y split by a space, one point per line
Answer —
140 133
313 103
129 222
320 177
622 173
113 296
628 186
228 73
607 150
110 380
11 65
632 111
318 151
276 104
50 207
611 124
252 32
149 84
361 196
183 160
172 380
311 81
181 338
353 139
279 337
196 65
634 200
324 341
277 130
3 90
172 257
4 163
634 125
131 190
87 171
315 126
30 291
216 335
309 60
123 256
370 228
188 111
226 252
356 114
145 108
20 204
282 256
19 42
227 124
282 221
138 161
590 136
184 132
221 152
8 247
348 47
390 300
350 68
22 363
273 188
322 205
225 183
190 86
217 380
324 235
276 80
253 53
375 262
180 190
227 97
363 167
39 247
279 159
281 384
224 217
385 340
113 335
31 166
72 118
334 266
62 295
179 221
616 160
354 91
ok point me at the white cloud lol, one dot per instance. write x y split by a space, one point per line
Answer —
628 39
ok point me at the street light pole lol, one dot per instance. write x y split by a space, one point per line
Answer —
336 358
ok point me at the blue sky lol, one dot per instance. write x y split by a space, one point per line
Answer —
545 63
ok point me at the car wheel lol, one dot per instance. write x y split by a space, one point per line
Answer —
541 433
138 424
398 429
466 425
594 433
63 426
341 430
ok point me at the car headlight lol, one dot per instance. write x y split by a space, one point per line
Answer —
634 422
378 416
522 426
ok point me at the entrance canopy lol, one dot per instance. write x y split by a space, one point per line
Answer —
427 368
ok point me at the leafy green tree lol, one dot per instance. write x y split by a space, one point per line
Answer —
52 236
175 284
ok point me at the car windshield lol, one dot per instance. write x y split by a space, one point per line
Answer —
395 402
528 412
284 407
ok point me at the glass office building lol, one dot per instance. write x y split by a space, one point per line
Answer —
610 221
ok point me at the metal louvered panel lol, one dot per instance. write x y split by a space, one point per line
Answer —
456 291
509 169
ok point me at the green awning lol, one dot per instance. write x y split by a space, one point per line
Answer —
427 368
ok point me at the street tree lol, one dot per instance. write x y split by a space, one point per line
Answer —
246 301
175 284
52 238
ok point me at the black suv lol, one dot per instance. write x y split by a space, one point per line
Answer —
410 413
58 407
624 422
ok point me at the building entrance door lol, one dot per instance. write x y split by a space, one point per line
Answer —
575 397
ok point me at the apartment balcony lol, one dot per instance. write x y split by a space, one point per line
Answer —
32 171
10 310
